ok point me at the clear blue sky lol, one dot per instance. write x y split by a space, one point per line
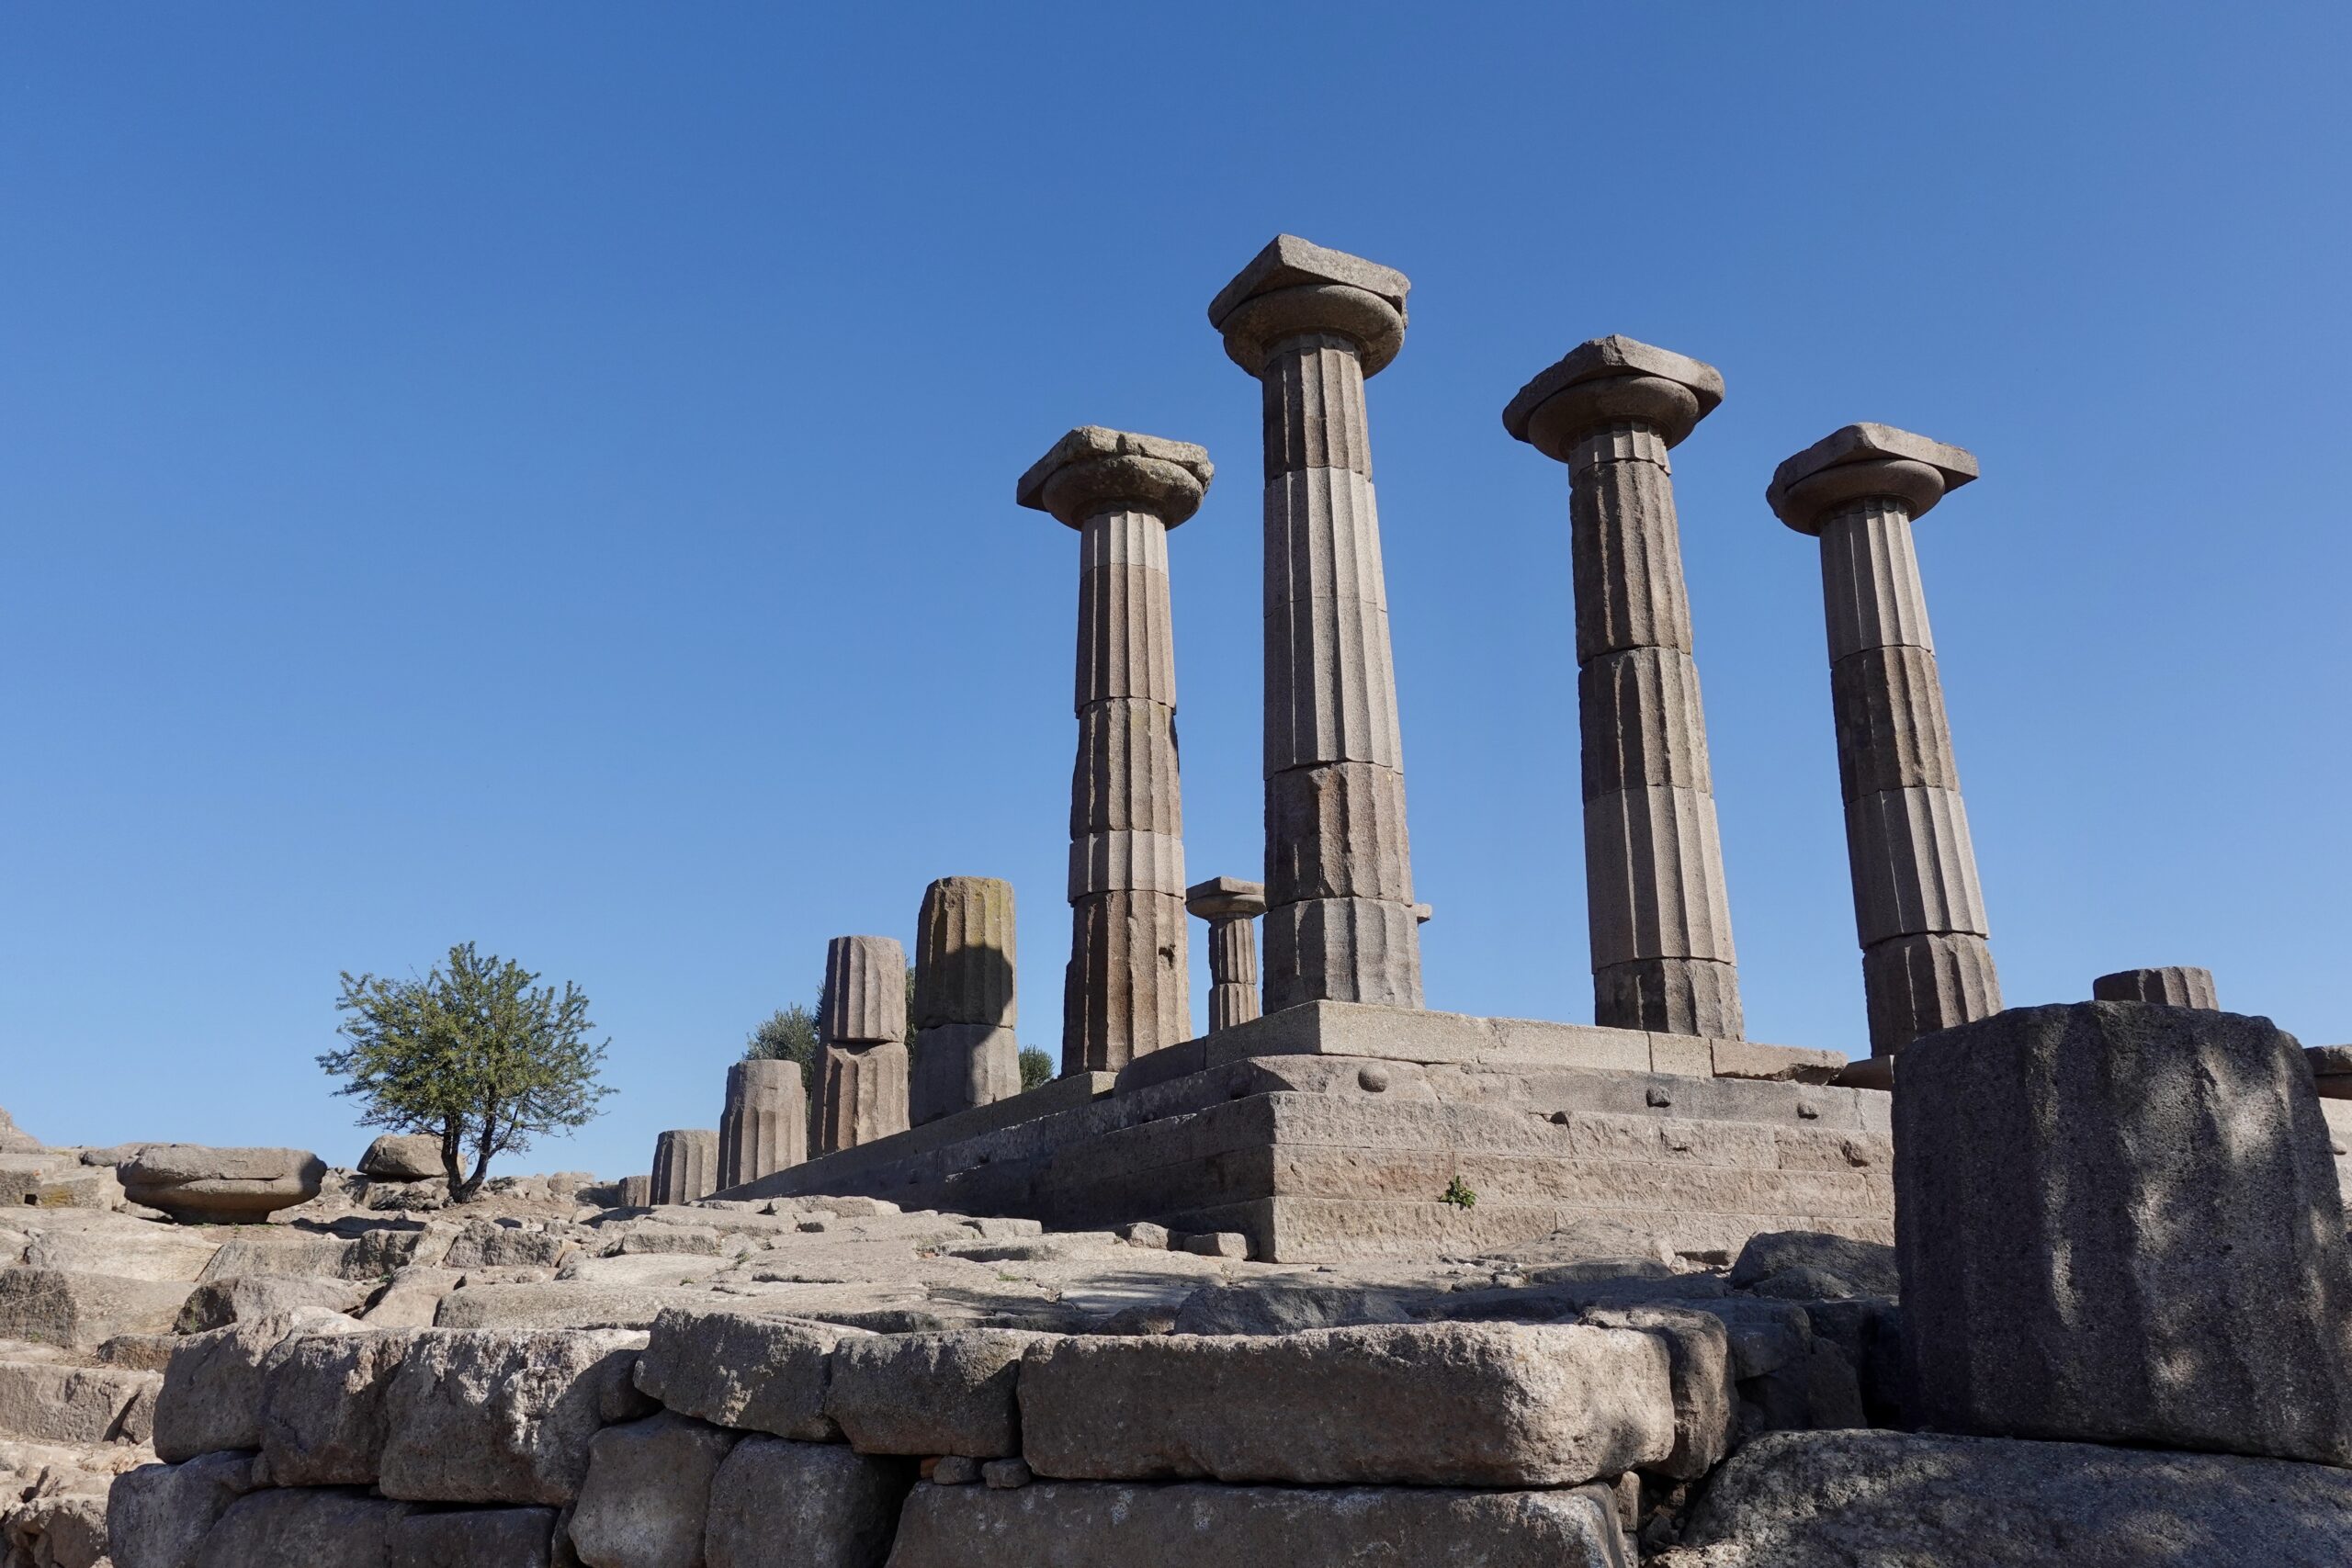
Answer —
542 475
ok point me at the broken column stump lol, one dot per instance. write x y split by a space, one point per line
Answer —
2119 1223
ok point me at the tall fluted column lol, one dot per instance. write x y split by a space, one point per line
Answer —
765 1124
1231 907
1660 919
862 1018
1311 323
966 1054
685 1165
1917 908
1128 990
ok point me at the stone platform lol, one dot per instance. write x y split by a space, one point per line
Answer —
1331 1132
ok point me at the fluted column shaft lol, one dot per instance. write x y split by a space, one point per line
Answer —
685 1165
862 1017
764 1126
1339 864
1918 908
965 1052
1660 920
1128 988
1232 971
1659 917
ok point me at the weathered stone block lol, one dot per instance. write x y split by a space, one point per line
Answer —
492 1417
767 1374
2120 1223
1450 1405
1804 1499
864 998
1083 1526
213 1388
474 1538
44 1401
79 1310
647 1491
158 1514
198 1185
323 1416
775 1503
951 1392
1918 984
303 1527
1125 989
403 1157
1343 950
1706 1396
216 1303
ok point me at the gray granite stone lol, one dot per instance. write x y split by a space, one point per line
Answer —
2120 1223
786 1505
964 954
861 1094
959 1066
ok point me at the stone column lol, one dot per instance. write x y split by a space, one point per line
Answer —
1231 907
685 1165
1917 909
765 1125
1128 988
1311 323
1659 920
861 1018
965 1050
2179 987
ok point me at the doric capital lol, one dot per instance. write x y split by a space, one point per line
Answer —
1093 469
1610 379
1222 897
1864 462
1292 288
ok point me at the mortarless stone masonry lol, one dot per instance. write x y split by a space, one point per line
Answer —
1128 990
1660 920
1917 909
1231 907
1311 323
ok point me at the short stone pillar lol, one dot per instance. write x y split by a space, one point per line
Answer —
765 1127
1231 907
1917 909
2119 1223
635 1191
685 1165
1659 917
2179 987
1128 990
1311 323
862 1020
966 1005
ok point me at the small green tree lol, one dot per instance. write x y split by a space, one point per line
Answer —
471 1054
1036 1068
789 1034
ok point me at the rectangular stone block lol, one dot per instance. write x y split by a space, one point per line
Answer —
503 1416
1082 1525
323 1413
1442 1404
303 1527
766 1374
928 1394
42 1402
474 1537
777 1503
81 1312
